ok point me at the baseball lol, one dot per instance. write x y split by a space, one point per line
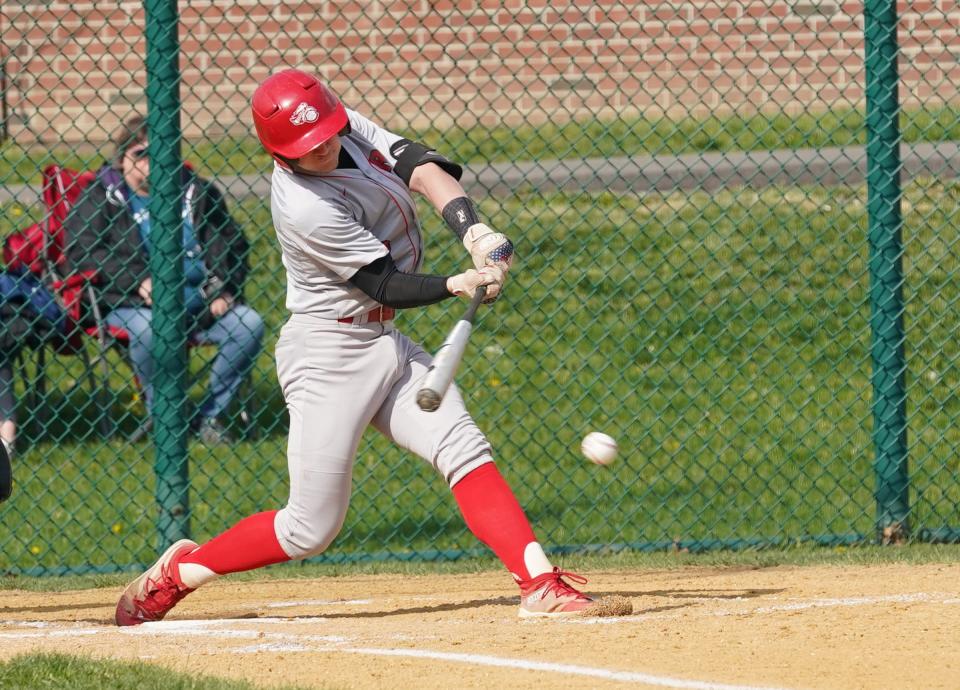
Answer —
599 448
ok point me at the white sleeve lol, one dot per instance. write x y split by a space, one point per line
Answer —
332 236
381 138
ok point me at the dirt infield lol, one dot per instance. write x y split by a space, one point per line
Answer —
891 626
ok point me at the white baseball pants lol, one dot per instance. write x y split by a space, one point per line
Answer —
337 379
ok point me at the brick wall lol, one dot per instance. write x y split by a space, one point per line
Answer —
75 68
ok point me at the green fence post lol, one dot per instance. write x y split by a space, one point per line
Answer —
886 269
166 267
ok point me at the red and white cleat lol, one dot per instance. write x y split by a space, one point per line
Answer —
153 594
550 596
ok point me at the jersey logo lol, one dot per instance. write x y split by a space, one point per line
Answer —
305 113
377 159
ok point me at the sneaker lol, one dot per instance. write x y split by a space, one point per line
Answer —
153 594
213 433
549 595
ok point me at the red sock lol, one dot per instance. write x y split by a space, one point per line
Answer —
495 517
251 543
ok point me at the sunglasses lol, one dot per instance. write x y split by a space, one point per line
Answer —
139 153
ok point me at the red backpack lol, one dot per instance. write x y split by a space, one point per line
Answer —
40 247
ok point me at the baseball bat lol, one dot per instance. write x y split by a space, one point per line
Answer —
447 359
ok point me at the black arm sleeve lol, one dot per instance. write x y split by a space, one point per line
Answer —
391 287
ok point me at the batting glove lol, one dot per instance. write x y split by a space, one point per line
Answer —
466 283
488 248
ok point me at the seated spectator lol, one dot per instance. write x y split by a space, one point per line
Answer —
108 230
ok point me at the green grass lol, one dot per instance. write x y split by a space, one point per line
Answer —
722 338
65 672
624 137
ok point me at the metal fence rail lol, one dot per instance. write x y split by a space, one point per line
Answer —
736 226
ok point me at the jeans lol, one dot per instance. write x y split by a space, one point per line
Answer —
238 335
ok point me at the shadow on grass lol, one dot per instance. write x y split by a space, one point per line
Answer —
702 593
60 609
656 609
418 610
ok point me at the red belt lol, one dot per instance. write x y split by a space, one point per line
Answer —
377 315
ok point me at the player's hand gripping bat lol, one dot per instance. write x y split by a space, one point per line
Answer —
447 359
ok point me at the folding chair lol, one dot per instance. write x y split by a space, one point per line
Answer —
41 250
33 322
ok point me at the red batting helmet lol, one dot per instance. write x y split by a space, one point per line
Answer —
294 113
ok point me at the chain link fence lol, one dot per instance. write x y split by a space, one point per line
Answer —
736 226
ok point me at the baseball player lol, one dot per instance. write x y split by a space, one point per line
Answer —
347 226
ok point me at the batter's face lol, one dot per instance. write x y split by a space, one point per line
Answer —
322 159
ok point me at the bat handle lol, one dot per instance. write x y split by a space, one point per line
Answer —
478 296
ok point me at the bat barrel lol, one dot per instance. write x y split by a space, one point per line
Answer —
444 366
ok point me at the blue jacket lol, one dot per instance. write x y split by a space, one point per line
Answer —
29 313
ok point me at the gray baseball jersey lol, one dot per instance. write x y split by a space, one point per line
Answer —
330 225
339 378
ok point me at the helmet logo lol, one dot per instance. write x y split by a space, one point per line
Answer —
304 114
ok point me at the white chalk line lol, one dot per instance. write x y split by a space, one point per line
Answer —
568 669
191 626
847 601
919 597
286 642
271 647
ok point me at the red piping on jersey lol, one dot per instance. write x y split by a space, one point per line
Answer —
406 223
